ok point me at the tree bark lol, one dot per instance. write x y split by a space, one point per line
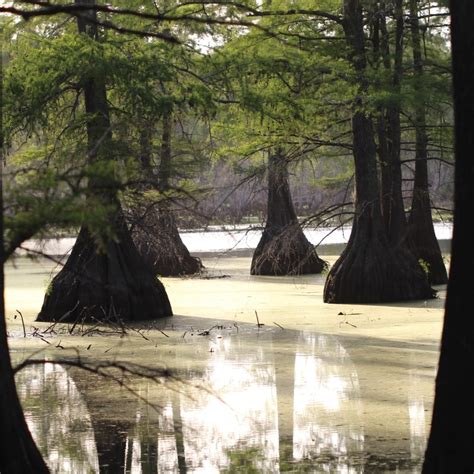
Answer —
157 238
452 428
154 229
104 278
165 168
19 453
112 284
283 248
389 133
370 270
421 231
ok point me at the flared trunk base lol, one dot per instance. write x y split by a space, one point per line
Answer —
371 271
425 246
286 251
110 285
158 241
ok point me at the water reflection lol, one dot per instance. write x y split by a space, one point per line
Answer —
58 419
271 403
417 412
327 408
170 440
243 418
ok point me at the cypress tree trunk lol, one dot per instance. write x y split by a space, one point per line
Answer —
157 238
107 281
155 232
283 248
19 453
421 231
370 270
109 284
452 428
389 134
165 168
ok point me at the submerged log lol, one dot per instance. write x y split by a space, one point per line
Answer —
283 248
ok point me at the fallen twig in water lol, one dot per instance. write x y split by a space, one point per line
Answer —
259 324
22 321
207 332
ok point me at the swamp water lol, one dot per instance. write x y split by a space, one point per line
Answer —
314 388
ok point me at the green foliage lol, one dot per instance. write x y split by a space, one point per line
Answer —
248 93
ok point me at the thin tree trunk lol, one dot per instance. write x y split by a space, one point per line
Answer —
283 248
389 133
165 168
145 139
154 229
421 231
104 278
370 270
452 428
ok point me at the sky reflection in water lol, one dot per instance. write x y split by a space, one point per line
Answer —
273 403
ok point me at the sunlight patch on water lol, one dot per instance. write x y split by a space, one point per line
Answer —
327 404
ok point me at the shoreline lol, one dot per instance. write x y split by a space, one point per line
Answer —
230 242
